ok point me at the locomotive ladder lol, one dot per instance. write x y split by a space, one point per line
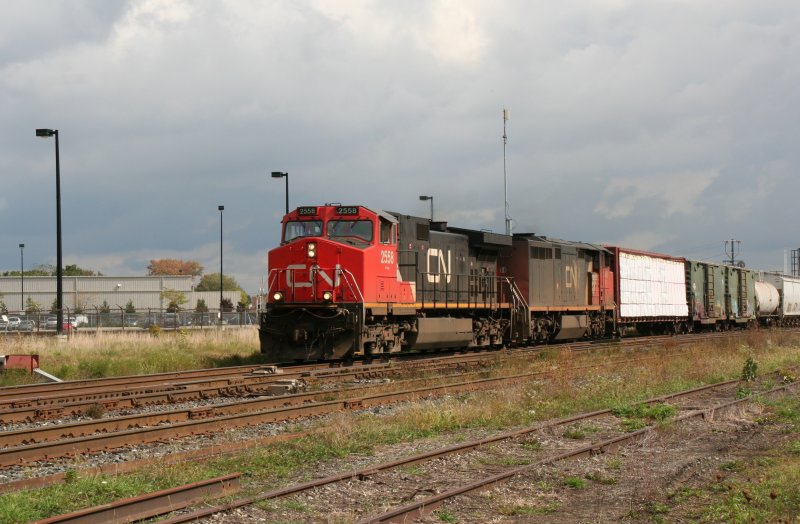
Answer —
519 310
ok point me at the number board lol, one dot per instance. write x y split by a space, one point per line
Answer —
347 210
306 211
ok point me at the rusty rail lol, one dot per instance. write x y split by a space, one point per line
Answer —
458 448
422 507
151 504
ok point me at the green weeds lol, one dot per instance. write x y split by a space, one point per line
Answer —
575 482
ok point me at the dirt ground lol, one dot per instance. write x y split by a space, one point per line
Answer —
702 470
680 474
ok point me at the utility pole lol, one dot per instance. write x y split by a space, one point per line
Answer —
505 179
735 246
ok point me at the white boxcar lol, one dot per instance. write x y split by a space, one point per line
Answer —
650 285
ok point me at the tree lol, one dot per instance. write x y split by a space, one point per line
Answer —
42 271
72 270
210 282
227 305
54 307
201 306
172 266
105 309
244 301
174 298
32 307
48 270
130 308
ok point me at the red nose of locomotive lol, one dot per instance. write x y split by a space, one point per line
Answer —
308 270
321 257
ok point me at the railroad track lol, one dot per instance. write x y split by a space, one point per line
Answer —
456 477
69 439
60 442
44 447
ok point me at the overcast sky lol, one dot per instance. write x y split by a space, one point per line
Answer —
660 125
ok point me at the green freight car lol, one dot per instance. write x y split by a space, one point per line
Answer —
719 296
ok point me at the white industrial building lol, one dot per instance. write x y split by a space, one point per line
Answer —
88 293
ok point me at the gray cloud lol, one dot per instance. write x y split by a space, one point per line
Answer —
664 125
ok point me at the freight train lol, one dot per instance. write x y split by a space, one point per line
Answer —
347 281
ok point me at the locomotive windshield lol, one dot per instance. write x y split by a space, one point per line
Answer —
352 231
299 229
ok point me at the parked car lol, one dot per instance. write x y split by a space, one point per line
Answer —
166 320
131 321
51 323
26 325
13 323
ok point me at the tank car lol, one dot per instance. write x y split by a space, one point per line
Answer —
347 281
783 289
568 286
767 303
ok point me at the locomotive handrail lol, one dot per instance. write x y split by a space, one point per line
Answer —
350 280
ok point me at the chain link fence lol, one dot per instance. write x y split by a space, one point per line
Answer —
123 320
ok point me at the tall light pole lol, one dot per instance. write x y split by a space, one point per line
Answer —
279 174
59 272
424 197
22 276
221 209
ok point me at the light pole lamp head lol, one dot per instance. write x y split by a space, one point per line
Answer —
46 132
423 197
21 246
221 208
279 174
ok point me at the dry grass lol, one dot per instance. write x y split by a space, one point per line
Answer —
576 382
118 354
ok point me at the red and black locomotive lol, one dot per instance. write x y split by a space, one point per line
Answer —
347 281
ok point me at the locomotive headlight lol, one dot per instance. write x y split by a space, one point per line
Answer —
277 296
327 296
311 248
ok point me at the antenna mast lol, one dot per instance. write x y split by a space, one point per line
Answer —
505 179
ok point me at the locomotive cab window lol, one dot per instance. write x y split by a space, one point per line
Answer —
356 232
299 229
388 235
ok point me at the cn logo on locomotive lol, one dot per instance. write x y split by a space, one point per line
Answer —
440 266
314 270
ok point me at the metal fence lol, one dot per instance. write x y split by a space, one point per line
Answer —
122 320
